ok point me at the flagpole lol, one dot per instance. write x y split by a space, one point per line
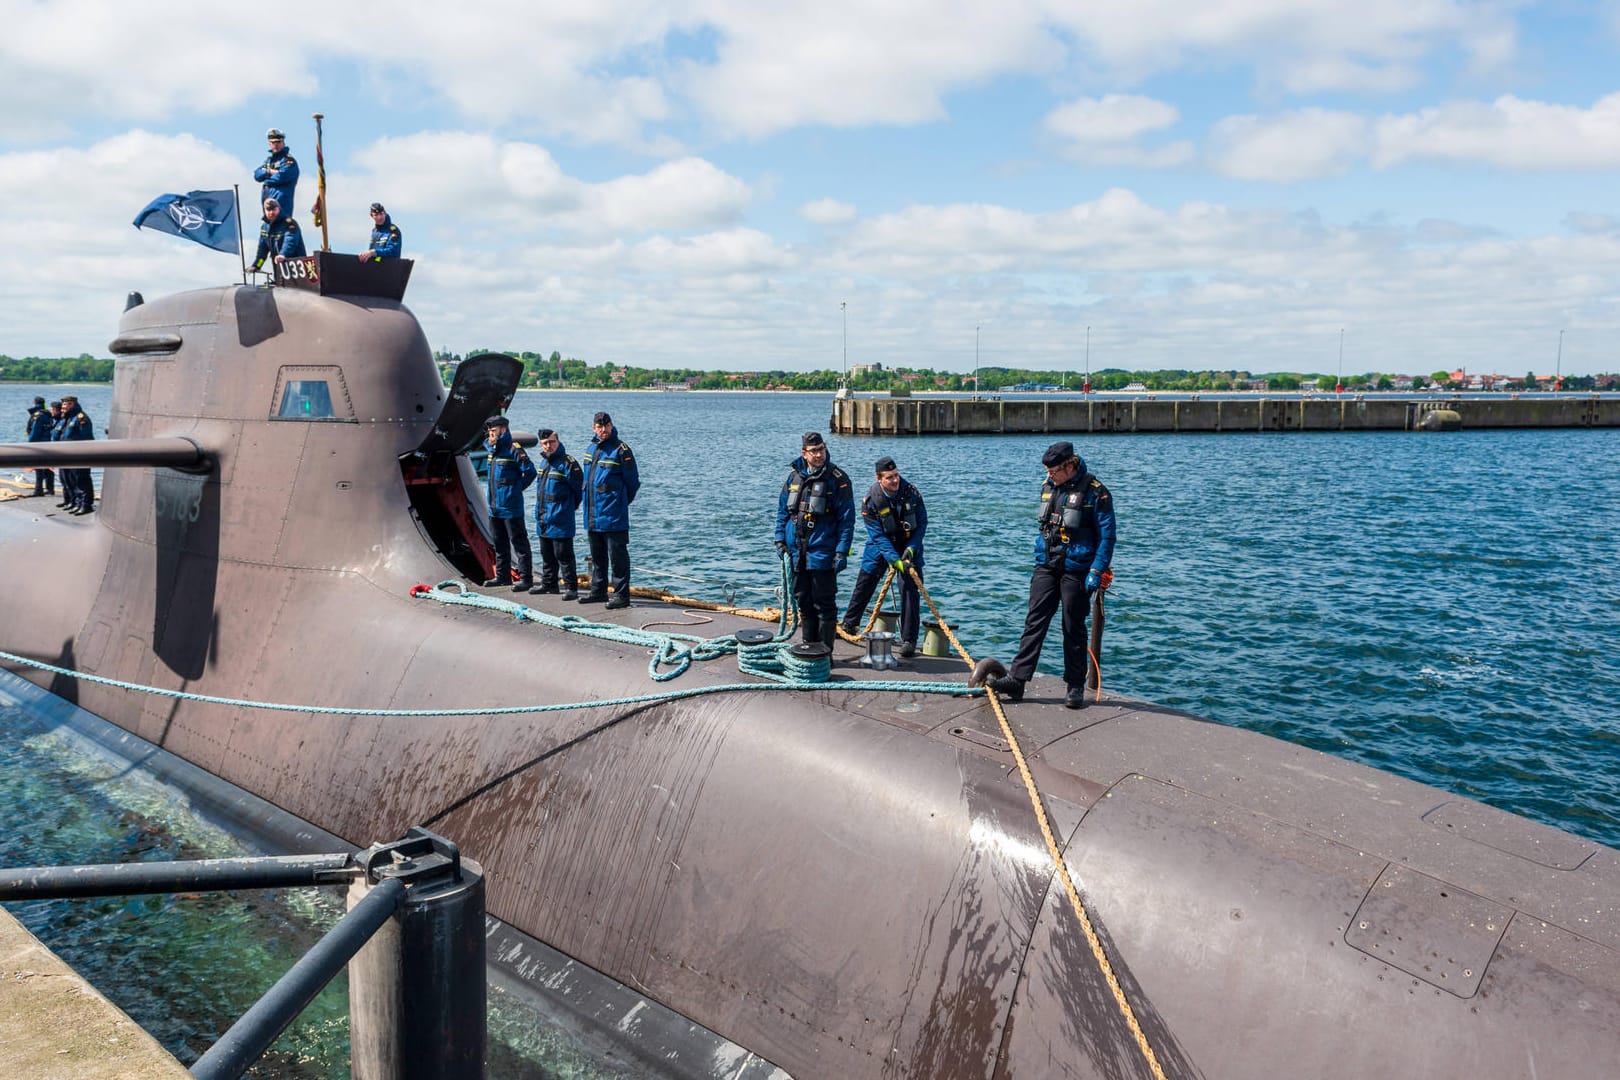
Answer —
241 249
320 186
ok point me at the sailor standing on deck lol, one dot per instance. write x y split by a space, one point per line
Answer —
895 520
41 425
278 174
75 426
611 481
278 236
386 242
1073 550
510 471
815 525
556 505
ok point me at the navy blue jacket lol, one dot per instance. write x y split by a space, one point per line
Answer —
279 237
611 483
279 175
822 537
556 496
385 240
893 523
1088 540
41 424
510 471
74 426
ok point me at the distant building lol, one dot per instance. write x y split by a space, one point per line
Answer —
862 369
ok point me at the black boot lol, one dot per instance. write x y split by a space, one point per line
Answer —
498 580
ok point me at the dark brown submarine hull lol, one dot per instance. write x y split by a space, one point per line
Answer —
847 883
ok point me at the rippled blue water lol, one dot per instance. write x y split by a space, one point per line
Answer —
1445 606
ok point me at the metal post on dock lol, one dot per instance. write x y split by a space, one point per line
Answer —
416 991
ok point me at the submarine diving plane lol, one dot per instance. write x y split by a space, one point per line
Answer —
844 882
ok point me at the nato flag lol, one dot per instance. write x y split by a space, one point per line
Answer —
208 217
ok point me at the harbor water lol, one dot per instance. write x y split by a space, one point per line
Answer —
1444 606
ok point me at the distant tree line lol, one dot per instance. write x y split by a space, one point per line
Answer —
83 368
555 370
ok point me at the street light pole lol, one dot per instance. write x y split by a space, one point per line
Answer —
975 363
1558 367
1338 380
843 312
1085 387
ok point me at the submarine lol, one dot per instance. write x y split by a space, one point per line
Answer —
848 881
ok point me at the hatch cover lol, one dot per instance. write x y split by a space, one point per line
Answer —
1429 929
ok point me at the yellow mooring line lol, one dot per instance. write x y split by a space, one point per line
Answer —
1103 963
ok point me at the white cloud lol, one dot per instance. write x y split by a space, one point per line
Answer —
1289 146
520 184
828 212
1510 132
1105 130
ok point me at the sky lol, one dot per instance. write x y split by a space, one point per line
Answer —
1264 185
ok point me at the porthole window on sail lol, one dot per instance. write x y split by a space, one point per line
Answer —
305 400
311 392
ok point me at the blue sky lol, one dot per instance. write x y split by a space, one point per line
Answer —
1223 185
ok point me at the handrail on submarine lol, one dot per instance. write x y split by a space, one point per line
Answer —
175 452
405 990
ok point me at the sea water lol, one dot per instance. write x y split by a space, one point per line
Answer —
1442 605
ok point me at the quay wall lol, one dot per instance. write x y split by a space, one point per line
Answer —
1095 416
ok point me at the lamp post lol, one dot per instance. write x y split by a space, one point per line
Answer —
1558 366
975 363
843 312
1338 380
1085 387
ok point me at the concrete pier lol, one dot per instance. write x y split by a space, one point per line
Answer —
54 1024
1097 415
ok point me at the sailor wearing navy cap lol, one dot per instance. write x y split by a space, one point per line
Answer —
278 174
510 472
1073 550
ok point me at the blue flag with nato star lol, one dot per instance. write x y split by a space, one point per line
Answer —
208 217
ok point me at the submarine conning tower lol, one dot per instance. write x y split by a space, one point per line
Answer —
304 401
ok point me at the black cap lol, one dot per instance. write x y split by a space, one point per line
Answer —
884 464
57 404
71 397
39 401
1057 454
496 421
602 418
812 438
544 433
377 207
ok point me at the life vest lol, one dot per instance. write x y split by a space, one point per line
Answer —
897 515
811 497
1064 509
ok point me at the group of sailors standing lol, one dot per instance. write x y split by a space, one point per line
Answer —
62 421
815 526
279 236
605 486
1074 548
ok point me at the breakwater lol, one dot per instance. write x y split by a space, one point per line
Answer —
1099 416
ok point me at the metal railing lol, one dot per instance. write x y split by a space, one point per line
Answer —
413 940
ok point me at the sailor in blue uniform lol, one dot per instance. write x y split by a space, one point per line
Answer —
815 526
1074 547
556 506
510 471
75 426
386 242
895 520
278 174
41 425
279 236
611 481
